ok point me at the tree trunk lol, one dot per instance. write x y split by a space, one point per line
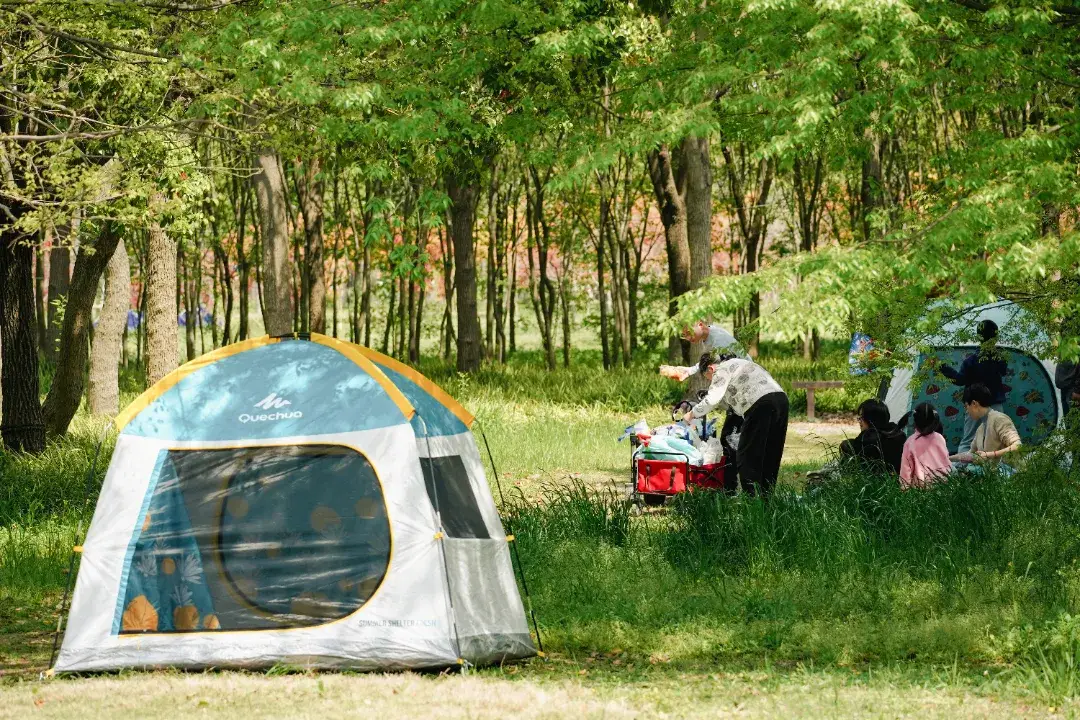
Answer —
274 222
446 242
698 208
418 324
564 296
40 291
512 312
463 192
67 386
310 191
673 216
22 424
191 309
542 292
698 194
751 212
389 318
59 282
601 290
161 299
103 392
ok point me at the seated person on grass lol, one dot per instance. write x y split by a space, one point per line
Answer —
878 446
995 433
880 442
926 456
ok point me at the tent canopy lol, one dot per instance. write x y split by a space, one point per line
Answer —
1031 399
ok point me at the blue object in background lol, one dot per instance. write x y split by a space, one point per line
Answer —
861 344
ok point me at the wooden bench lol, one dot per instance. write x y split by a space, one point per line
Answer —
810 386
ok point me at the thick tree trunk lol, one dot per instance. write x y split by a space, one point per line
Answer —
673 216
103 392
41 309
67 386
59 282
463 192
22 425
310 190
698 194
274 222
698 208
161 303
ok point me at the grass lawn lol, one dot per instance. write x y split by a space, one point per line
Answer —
863 602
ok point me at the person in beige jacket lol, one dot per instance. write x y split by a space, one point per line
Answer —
995 433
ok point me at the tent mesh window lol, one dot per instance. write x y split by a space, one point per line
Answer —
450 492
255 538
1030 396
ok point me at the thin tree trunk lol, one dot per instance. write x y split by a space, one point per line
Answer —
564 296
513 299
605 209
489 270
418 323
22 424
463 191
161 299
103 392
273 219
389 318
405 301
190 313
446 244
67 386
310 193
338 231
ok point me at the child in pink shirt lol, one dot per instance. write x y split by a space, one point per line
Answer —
926 456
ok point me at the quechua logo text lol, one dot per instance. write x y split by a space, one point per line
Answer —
275 402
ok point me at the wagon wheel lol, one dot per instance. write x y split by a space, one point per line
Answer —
654 500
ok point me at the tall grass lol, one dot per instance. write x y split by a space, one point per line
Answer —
981 570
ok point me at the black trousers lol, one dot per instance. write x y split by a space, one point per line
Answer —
761 444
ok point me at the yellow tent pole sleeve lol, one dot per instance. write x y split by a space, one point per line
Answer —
431 388
354 353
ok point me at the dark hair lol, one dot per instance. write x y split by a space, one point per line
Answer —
978 393
875 413
988 330
709 358
927 420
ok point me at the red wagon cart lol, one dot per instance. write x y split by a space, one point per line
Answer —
653 480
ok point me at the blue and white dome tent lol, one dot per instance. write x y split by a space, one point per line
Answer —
299 501
1032 401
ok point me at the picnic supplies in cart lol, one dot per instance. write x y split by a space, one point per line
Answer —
664 465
